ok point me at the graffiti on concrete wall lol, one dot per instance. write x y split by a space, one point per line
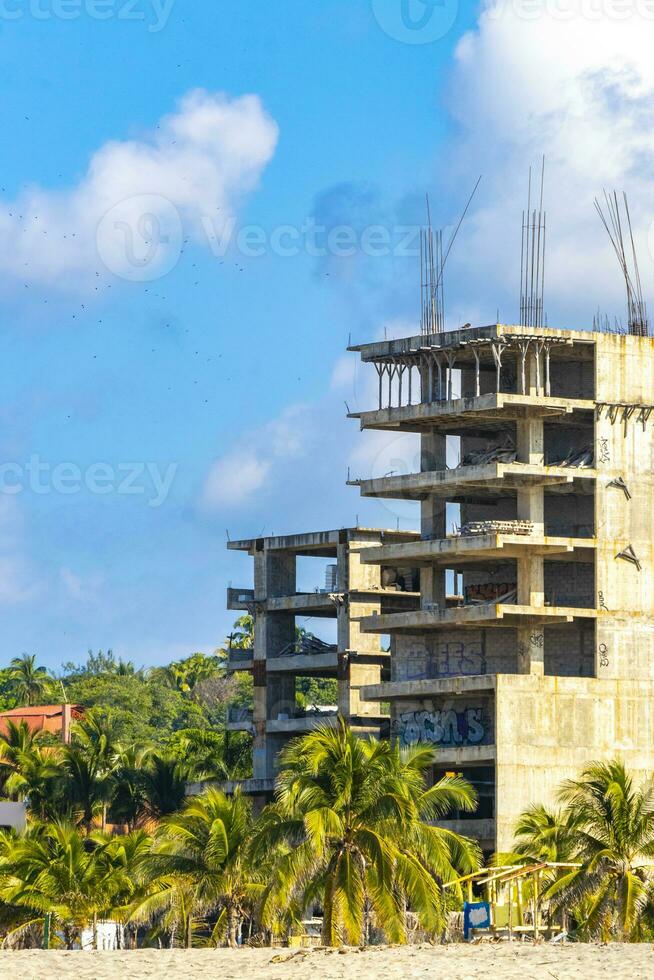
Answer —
444 659
446 727
488 591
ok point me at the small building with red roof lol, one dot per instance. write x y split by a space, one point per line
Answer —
55 718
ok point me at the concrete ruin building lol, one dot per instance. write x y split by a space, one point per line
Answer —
285 648
538 445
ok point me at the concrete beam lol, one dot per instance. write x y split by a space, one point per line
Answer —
473 547
491 614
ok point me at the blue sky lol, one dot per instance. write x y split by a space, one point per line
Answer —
225 377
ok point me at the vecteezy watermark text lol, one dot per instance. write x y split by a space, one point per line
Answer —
141 239
313 239
154 14
35 475
568 10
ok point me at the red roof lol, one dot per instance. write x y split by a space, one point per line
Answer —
40 717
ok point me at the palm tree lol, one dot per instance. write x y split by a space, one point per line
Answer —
29 683
125 854
203 752
85 786
33 773
541 835
613 838
242 635
54 870
144 785
198 867
17 740
352 815
97 734
163 784
126 791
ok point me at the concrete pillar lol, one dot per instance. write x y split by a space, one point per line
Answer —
354 671
530 441
433 517
531 650
531 572
274 575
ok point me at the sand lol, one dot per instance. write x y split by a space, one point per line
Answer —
516 961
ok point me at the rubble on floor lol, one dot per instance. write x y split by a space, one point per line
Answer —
576 457
497 527
494 454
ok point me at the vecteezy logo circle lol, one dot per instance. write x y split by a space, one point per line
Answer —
140 238
415 21
397 456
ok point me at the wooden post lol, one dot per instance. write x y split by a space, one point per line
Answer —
510 911
536 904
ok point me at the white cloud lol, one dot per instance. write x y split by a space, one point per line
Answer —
87 588
233 479
236 476
139 198
575 83
19 581
16 584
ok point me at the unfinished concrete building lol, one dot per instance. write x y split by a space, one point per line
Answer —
349 591
546 661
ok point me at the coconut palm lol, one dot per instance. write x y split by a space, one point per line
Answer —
127 785
126 854
198 867
353 816
85 786
35 775
15 742
54 870
613 838
203 752
29 683
163 782
541 834
96 733
242 635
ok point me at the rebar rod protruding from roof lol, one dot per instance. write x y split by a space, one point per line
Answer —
613 223
532 260
432 267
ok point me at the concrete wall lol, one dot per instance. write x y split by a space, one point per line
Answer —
624 448
447 721
547 729
569 652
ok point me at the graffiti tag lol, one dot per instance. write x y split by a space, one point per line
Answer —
447 660
446 727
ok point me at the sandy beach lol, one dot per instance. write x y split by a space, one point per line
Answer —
515 961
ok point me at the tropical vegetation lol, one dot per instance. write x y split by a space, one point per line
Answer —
602 838
126 823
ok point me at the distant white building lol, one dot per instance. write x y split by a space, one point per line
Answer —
12 815
111 935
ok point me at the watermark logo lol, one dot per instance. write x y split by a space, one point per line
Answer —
153 14
38 476
565 11
415 21
140 239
